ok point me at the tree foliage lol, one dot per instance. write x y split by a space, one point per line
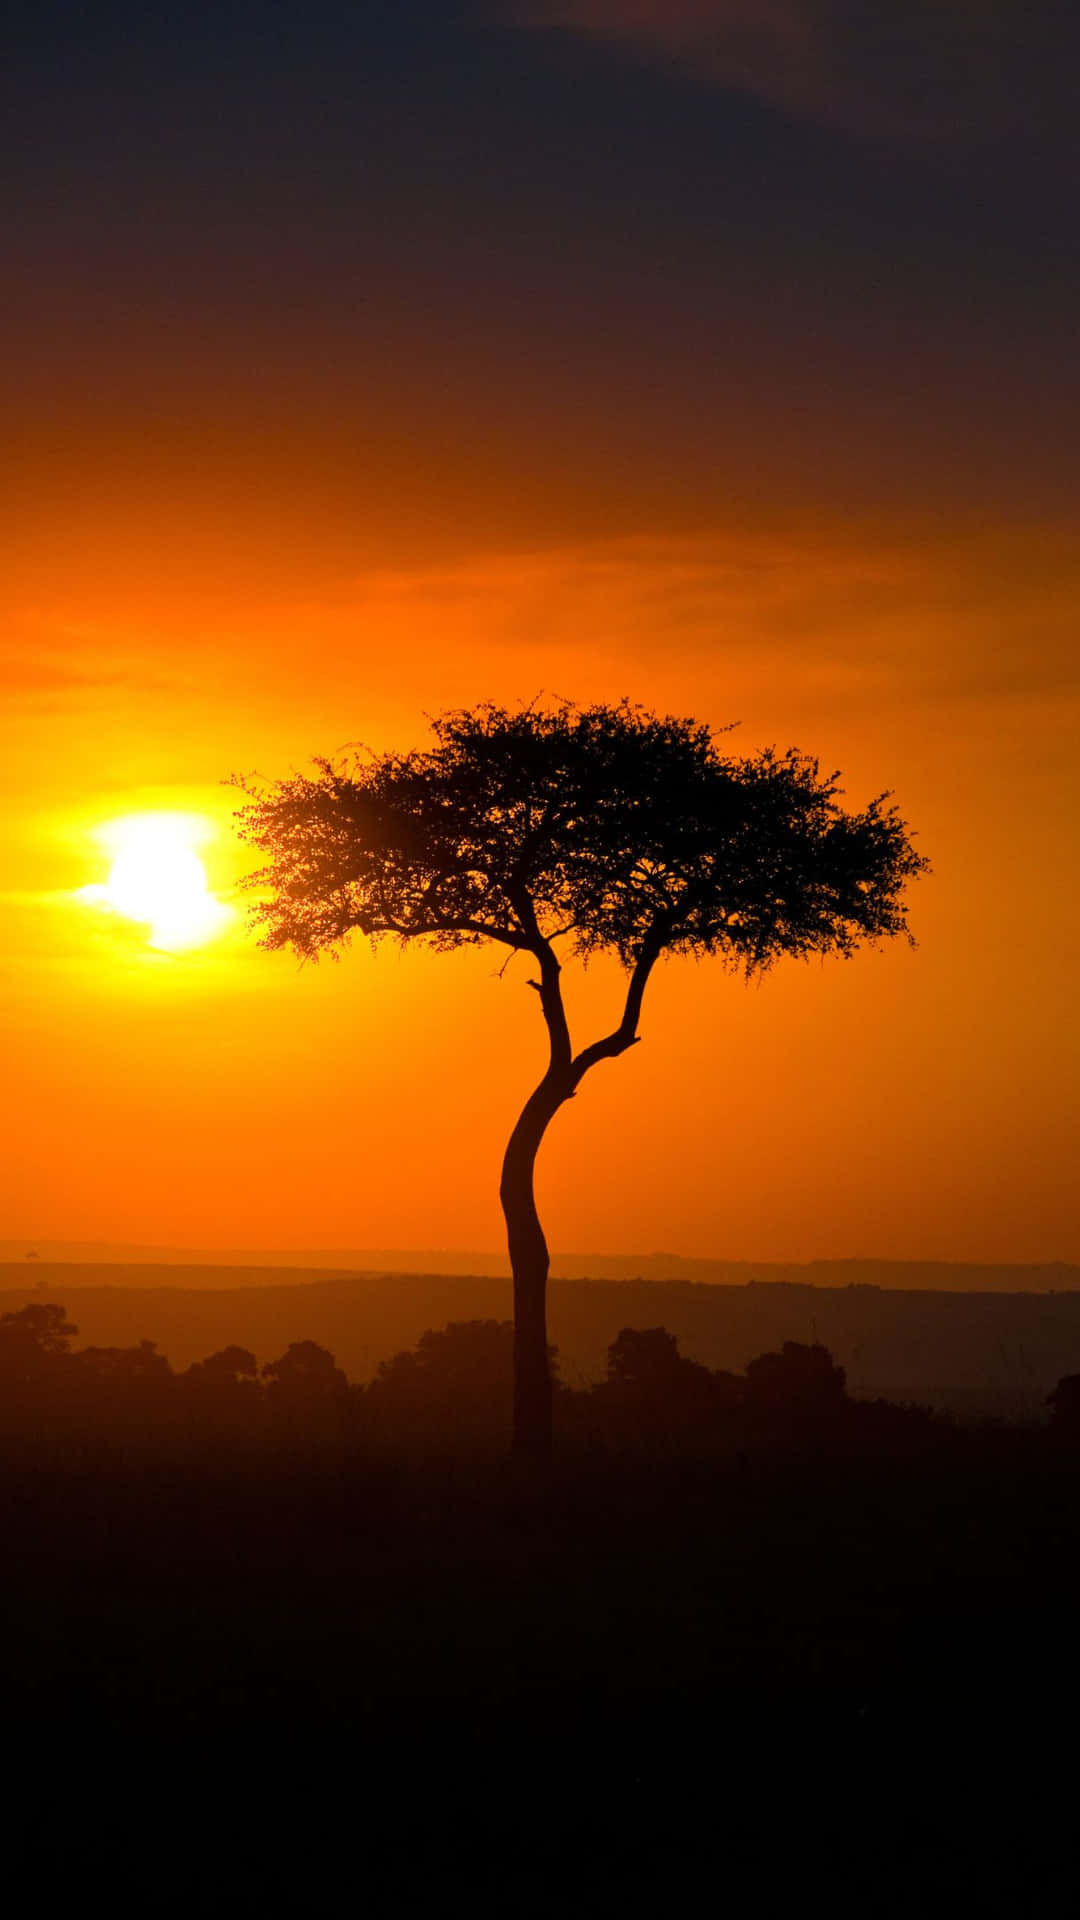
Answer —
606 827
34 1341
229 1367
305 1371
41 1327
799 1378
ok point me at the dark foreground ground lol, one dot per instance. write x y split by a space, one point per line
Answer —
626 1686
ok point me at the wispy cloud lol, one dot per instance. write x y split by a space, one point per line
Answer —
984 615
55 663
843 611
928 69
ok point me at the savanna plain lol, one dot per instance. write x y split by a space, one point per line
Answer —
741 1597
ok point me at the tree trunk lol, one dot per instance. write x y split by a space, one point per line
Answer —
529 1264
525 1236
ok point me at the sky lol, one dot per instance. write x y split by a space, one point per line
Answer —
362 362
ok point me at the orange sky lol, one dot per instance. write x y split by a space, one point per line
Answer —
396 361
906 1104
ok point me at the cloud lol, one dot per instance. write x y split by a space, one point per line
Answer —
839 612
832 610
930 69
61 662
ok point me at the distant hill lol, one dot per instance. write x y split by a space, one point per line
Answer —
974 1351
258 1268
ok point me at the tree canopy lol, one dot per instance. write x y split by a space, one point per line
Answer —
604 827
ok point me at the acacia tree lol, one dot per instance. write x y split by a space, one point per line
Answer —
573 830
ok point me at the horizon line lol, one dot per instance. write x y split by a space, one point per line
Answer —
28 1250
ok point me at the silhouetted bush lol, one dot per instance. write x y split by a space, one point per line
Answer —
647 1360
116 1368
799 1380
454 1389
448 1397
308 1400
306 1375
654 1396
229 1368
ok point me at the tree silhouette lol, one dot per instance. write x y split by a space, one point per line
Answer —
456 1386
645 1357
44 1327
650 1383
797 1380
305 1372
458 1358
124 1366
230 1367
604 828
35 1345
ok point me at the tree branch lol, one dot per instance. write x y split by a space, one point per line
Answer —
625 1035
548 985
386 924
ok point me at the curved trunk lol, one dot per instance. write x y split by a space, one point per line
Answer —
525 1236
529 1265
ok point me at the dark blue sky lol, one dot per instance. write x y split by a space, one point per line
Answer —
637 288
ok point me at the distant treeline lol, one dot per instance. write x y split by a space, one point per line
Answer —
451 1393
971 1353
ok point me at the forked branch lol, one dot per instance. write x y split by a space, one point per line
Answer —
625 1035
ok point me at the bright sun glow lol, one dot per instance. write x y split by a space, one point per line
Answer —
158 879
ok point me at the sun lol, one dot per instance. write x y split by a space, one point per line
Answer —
158 880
